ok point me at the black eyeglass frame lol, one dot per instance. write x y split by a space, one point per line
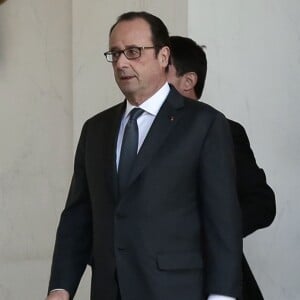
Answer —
115 54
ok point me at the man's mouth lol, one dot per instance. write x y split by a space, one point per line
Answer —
127 77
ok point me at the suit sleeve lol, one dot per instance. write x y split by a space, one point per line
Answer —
221 212
256 198
73 239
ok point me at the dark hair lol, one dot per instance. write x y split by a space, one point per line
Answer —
188 56
159 31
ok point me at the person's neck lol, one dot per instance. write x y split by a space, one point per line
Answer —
191 94
137 100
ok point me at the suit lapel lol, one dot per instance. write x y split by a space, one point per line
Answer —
164 122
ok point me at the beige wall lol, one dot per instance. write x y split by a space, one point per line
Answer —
36 139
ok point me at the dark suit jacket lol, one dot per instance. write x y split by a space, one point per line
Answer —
179 216
256 198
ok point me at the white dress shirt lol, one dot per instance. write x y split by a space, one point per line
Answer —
151 107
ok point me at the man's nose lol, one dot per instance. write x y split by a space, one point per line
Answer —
122 61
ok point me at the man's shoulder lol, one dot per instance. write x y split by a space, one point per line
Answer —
236 128
191 106
107 114
105 119
239 133
210 113
199 107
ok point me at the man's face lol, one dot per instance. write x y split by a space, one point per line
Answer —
139 78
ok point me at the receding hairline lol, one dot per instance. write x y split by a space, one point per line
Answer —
128 21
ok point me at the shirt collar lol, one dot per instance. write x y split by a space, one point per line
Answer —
153 104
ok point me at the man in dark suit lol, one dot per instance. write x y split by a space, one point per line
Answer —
187 72
168 226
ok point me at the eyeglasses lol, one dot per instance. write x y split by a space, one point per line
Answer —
130 53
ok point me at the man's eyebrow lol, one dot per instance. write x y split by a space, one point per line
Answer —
114 48
126 47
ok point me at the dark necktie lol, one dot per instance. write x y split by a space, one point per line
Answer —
129 148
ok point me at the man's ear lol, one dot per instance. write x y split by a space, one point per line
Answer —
190 80
164 56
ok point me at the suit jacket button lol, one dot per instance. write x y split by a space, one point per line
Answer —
121 248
